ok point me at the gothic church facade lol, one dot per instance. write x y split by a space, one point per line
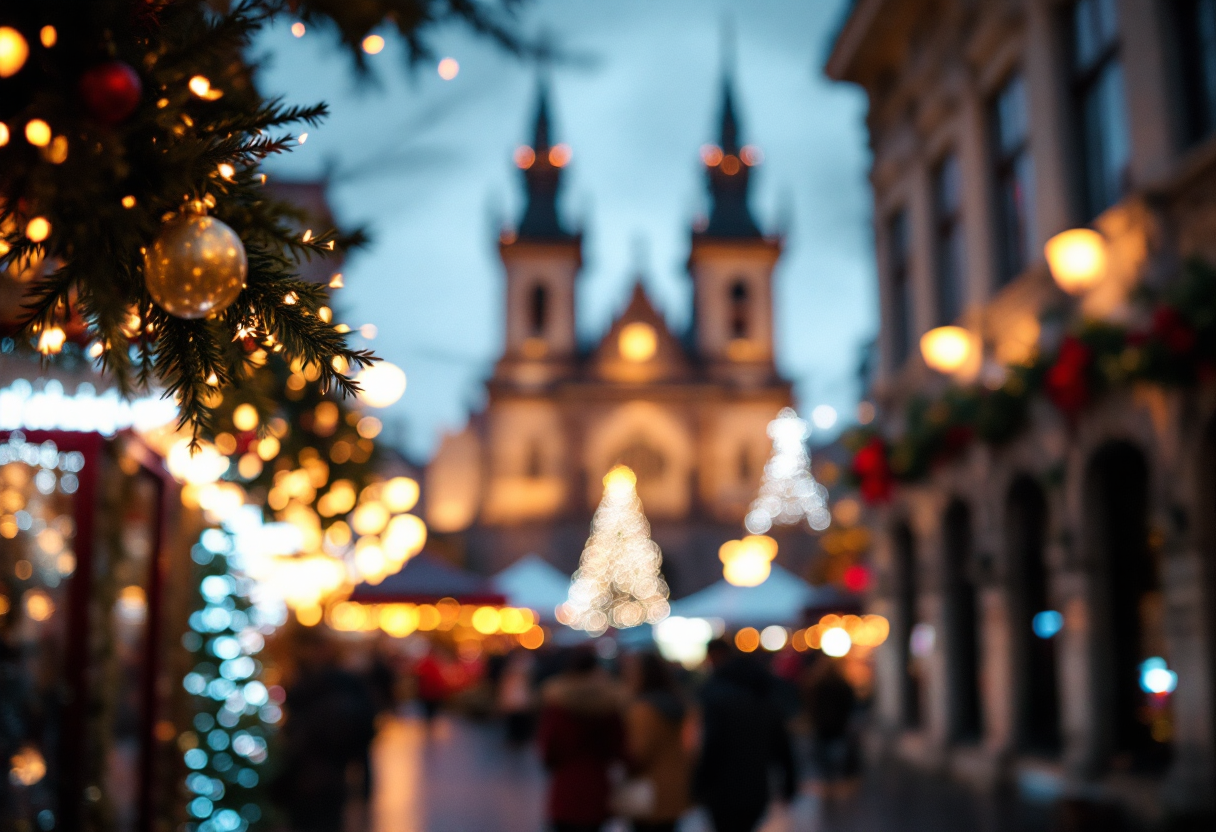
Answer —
687 411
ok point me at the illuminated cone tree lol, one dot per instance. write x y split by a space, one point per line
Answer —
788 491
618 582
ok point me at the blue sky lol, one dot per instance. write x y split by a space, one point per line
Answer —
425 165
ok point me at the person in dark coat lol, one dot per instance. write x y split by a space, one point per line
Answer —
829 701
580 737
743 740
329 728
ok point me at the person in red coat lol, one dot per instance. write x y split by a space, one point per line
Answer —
581 735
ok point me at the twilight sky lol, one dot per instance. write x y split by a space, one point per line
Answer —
425 165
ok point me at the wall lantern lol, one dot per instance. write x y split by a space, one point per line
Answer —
946 348
1077 259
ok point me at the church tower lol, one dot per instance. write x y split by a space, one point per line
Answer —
542 259
731 264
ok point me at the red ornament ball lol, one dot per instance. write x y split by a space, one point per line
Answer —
111 91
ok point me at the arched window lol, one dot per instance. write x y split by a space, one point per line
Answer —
1129 610
538 309
962 626
1035 622
740 310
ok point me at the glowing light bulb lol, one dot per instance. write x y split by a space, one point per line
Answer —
835 642
448 69
1077 259
382 384
638 342
297 29
946 348
13 51
373 44
38 132
38 229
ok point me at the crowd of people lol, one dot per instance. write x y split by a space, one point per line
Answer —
631 736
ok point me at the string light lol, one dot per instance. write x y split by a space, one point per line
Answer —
4 134
13 51
48 36
200 85
38 132
618 583
297 29
788 491
373 44
50 340
38 229
448 69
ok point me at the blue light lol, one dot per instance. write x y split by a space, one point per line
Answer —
195 758
1156 677
1047 623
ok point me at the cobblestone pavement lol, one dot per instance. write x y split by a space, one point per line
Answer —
460 776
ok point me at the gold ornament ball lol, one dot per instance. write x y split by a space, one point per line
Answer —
196 267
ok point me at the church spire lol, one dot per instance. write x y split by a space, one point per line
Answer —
728 168
541 164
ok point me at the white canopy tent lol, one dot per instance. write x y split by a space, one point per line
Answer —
779 600
534 583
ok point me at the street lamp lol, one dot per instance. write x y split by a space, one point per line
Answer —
946 348
1077 259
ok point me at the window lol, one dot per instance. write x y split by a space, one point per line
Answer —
1098 86
901 289
740 310
1196 21
1013 175
948 239
539 309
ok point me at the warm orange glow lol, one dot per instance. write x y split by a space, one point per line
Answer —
711 155
383 384
200 85
48 36
524 157
226 170
486 620
50 340
747 640
751 155
946 348
428 617
38 229
38 132
619 478
747 562
128 201
368 427
638 342
532 639
309 616
448 69
835 642
245 417
560 155
373 44
400 494
297 29
370 518
4 134
1077 259
38 605
730 164
13 51
399 620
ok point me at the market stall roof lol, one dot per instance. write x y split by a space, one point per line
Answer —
782 599
425 579
534 583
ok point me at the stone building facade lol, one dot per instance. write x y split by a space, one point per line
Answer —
996 124
687 411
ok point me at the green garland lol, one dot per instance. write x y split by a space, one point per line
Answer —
78 210
1174 347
